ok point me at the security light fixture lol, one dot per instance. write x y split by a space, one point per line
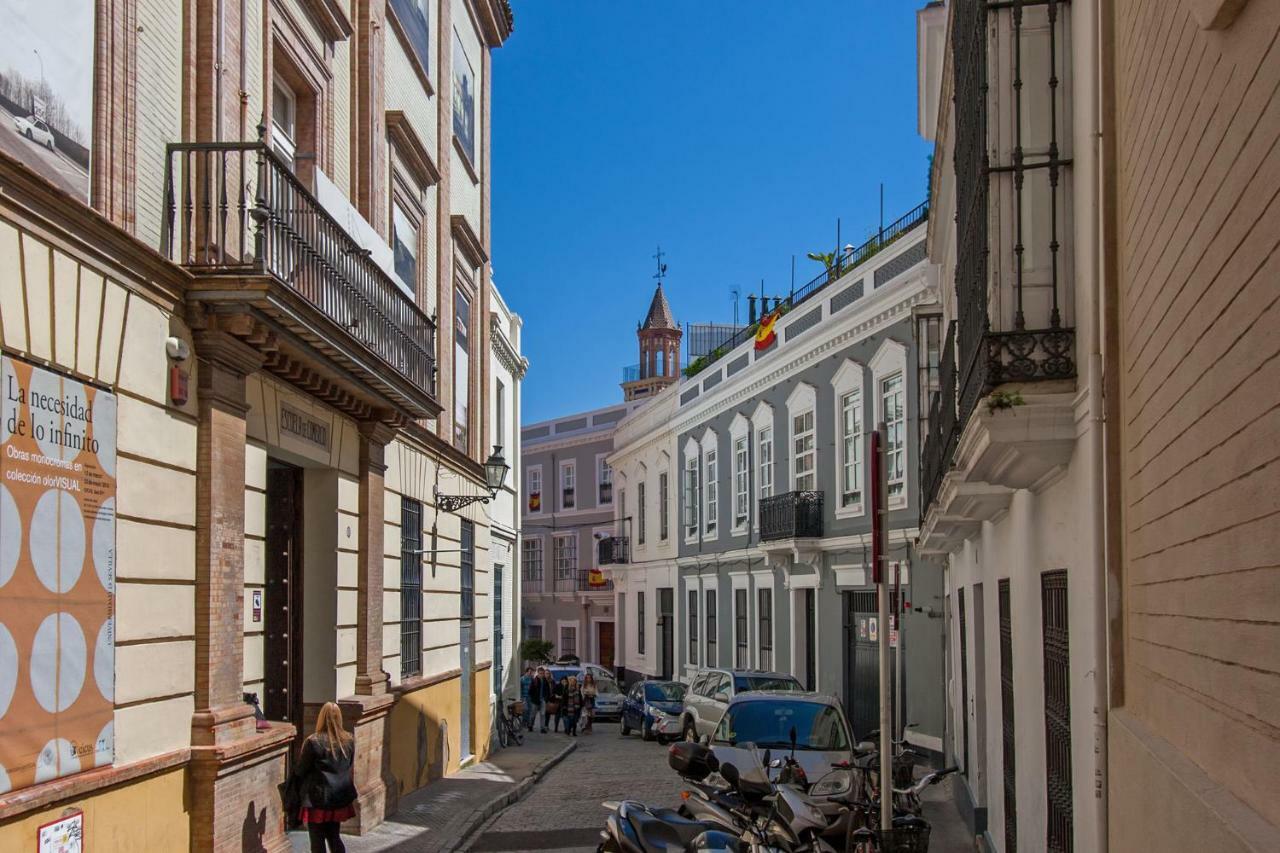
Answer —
495 474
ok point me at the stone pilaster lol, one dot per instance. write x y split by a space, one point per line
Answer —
367 713
234 768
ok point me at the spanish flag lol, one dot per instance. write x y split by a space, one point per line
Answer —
535 501
765 332
595 577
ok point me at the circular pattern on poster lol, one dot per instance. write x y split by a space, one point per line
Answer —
104 544
58 663
48 766
57 549
104 748
104 654
10 535
8 669
45 424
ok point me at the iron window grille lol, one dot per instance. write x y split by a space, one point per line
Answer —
693 627
792 515
1057 710
410 587
1008 740
468 569
663 512
713 659
742 659
640 624
766 628
531 572
640 513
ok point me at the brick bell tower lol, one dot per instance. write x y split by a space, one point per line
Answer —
659 338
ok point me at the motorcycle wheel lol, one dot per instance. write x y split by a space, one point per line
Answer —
609 846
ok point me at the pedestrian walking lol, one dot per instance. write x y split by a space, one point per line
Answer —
589 701
540 698
322 787
572 705
557 699
526 682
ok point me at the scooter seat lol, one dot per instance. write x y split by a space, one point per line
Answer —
684 828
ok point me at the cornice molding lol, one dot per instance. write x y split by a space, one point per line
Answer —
465 238
331 17
417 158
515 364
865 328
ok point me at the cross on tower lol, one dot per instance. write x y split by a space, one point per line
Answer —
662 268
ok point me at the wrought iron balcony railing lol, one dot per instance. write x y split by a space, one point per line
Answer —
793 515
614 550
582 580
236 207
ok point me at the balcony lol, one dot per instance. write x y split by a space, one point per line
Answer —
575 581
793 515
614 550
1004 416
531 579
276 269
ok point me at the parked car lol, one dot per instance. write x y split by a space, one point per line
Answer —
654 707
609 699
711 690
34 129
765 720
561 670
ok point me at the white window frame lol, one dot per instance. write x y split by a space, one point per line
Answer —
571 467
690 500
532 476
641 497
740 481
576 625
664 505
535 544
890 361
849 381
284 140
763 434
710 485
803 402
604 475
566 572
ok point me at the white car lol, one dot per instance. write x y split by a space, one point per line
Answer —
34 129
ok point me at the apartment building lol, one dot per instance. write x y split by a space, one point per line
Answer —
507 374
744 535
1093 471
245 314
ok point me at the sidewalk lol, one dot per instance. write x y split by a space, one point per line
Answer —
440 816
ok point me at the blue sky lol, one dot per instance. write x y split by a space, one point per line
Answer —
732 133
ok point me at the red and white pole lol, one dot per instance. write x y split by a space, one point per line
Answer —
879 519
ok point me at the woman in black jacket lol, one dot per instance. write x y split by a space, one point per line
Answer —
326 792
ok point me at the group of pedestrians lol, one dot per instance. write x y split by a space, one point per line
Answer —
565 703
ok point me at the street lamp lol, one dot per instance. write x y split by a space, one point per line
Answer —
495 474
41 58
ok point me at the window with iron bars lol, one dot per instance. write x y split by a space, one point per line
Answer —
468 570
640 624
693 627
564 551
765 621
712 658
743 659
663 498
410 587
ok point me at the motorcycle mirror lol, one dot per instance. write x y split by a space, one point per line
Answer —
730 774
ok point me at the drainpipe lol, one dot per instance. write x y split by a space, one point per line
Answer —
1098 422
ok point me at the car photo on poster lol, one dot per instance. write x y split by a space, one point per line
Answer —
46 89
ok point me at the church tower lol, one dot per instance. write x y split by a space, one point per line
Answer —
659 338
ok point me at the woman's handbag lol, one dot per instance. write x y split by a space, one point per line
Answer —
553 707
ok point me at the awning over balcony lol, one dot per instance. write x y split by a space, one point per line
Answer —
275 269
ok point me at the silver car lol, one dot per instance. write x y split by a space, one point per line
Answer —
755 722
711 690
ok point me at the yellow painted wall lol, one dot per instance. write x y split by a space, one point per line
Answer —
480 702
419 753
144 815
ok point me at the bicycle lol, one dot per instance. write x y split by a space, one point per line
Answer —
508 726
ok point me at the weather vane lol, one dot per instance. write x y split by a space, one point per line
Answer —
662 268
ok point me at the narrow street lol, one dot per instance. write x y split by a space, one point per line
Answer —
563 812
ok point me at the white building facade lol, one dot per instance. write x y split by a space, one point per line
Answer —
507 372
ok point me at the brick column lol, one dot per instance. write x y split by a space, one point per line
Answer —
368 712
234 768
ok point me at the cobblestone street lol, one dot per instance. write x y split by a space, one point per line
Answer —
563 811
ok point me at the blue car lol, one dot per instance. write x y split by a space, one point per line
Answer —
654 707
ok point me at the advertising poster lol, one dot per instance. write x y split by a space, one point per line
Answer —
46 89
57 575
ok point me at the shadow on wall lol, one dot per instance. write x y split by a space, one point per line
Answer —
253 831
